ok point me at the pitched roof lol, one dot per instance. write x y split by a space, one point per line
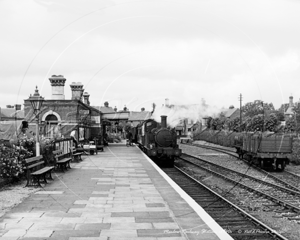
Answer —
230 111
9 129
104 109
139 116
289 111
116 115
11 113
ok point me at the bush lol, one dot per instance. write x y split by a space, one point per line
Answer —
47 148
12 161
27 143
295 158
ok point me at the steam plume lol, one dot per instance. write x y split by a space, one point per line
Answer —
175 113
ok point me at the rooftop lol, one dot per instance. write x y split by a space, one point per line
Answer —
139 116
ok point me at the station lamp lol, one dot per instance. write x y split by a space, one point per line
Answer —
36 102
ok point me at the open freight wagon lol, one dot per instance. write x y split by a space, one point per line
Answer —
268 151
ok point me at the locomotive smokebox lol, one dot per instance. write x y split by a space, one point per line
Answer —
163 121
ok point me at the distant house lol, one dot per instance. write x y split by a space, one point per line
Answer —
11 114
232 113
186 127
289 111
106 108
137 117
180 128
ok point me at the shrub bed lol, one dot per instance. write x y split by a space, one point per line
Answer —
296 151
12 162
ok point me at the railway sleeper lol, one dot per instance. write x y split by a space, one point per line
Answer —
294 218
231 222
269 205
204 200
213 207
251 234
290 215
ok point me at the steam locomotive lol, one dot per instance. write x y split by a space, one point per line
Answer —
157 140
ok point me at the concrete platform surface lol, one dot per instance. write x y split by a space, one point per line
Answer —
116 194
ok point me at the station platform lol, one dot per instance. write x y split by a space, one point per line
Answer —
113 195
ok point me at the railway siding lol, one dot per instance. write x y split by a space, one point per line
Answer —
279 217
285 178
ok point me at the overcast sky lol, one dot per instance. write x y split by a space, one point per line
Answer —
136 52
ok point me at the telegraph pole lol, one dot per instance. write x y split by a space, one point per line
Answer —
263 126
240 98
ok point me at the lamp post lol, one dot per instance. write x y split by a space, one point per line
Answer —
36 102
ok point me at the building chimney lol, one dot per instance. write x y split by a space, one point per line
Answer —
142 109
115 109
18 106
167 102
86 97
291 102
77 90
163 121
58 85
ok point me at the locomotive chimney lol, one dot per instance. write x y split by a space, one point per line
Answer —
163 121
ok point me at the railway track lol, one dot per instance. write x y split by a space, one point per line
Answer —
253 198
285 178
238 223
278 194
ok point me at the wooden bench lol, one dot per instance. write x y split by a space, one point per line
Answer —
62 160
76 156
35 170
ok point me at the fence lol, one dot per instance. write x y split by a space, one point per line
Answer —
63 144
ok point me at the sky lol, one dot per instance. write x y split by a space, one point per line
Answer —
139 52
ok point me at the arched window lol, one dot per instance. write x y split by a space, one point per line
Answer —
51 123
51 117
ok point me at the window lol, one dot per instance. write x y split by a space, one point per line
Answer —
51 123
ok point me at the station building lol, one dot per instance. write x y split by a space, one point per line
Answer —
59 116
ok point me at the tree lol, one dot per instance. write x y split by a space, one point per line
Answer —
283 107
290 125
272 123
255 123
257 107
217 123
209 122
296 110
234 124
279 115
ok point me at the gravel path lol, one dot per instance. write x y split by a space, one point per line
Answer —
13 194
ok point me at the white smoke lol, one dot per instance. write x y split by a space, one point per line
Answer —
175 113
